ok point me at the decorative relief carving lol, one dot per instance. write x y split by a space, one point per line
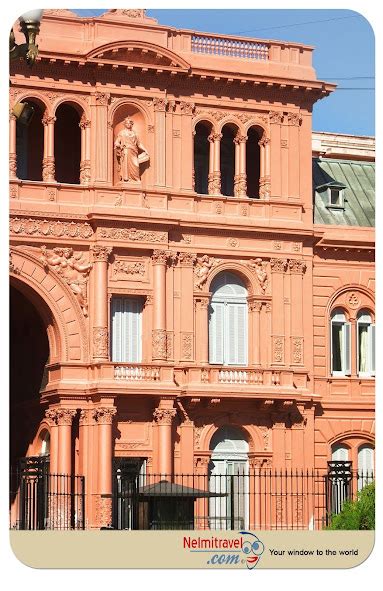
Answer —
202 269
197 436
12 268
159 104
264 187
205 376
284 144
65 416
12 165
294 119
187 259
169 345
164 416
275 117
259 267
187 108
353 301
56 229
13 192
277 245
48 169
244 210
102 98
233 242
100 342
186 239
159 343
104 415
176 133
296 246
133 235
86 417
101 253
48 119
73 270
278 265
255 306
150 128
297 349
297 266
240 185
171 106
85 172
187 345
219 208
278 349
265 435
160 257
214 183
84 122
134 268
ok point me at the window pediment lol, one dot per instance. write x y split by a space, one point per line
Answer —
139 54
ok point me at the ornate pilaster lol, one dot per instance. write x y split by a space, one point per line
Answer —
48 163
240 179
100 255
85 175
12 146
159 338
159 344
214 178
163 417
104 419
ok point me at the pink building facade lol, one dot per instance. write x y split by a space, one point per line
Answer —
179 303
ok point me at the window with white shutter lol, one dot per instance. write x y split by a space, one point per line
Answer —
228 320
366 345
340 344
126 330
365 465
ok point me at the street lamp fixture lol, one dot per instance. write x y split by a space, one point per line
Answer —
30 27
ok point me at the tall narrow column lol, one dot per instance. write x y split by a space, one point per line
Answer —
100 301
164 419
159 260
255 310
85 150
186 262
202 330
240 180
49 158
64 458
101 101
104 418
275 167
297 269
210 178
52 416
215 177
264 180
278 267
159 105
12 146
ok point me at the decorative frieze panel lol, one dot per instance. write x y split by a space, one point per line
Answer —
49 228
126 269
278 349
159 344
100 342
297 350
187 346
132 235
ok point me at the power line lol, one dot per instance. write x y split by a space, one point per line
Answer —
352 78
327 20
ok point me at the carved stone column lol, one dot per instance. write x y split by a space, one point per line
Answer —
164 419
104 419
297 269
101 102
85 150
276 118
255 311
214 180
211 165
278 268
64 421
186 263
100 300
159 260
12 146
52 416
240 179
264 180
49 159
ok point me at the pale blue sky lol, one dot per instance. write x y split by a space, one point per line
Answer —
344 53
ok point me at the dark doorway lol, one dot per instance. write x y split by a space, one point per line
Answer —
30 146
227 160
201 158
67 144
253 163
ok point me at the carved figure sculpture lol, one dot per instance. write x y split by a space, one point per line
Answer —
204 264
128 148
72 270
259 267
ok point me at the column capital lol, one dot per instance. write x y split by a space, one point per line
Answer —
47 119
160 257
275 117
84 122
187 259
159 104
264 141
294 119
65 416
297 266
104 415
164 416
240 139
52 415
101 253
215 137
102 98
187 108
86 417
278 265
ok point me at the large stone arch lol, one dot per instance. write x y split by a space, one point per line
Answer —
67 333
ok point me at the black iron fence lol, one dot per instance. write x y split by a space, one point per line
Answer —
40 500
253 499
260 499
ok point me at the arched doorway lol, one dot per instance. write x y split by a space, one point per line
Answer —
229 477
201 157
67 135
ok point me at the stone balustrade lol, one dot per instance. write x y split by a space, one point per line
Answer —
221 46
137 373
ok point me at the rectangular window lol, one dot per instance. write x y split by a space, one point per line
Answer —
126 341
341 348
366 349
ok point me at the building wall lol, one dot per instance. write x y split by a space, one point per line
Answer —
148 240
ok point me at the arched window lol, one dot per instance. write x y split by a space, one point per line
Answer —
227 159
30 146
228 321
339 453
365 465
45 444
366 344
67 144
201 158
253 162
228 477
340 344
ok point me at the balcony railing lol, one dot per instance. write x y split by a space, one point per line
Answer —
248 50
137 373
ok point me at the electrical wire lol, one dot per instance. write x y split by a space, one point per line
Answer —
327 20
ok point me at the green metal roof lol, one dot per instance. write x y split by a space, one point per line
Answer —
359 179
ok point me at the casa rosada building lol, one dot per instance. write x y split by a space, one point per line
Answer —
192 283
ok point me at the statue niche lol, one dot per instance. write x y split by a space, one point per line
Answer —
129 150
